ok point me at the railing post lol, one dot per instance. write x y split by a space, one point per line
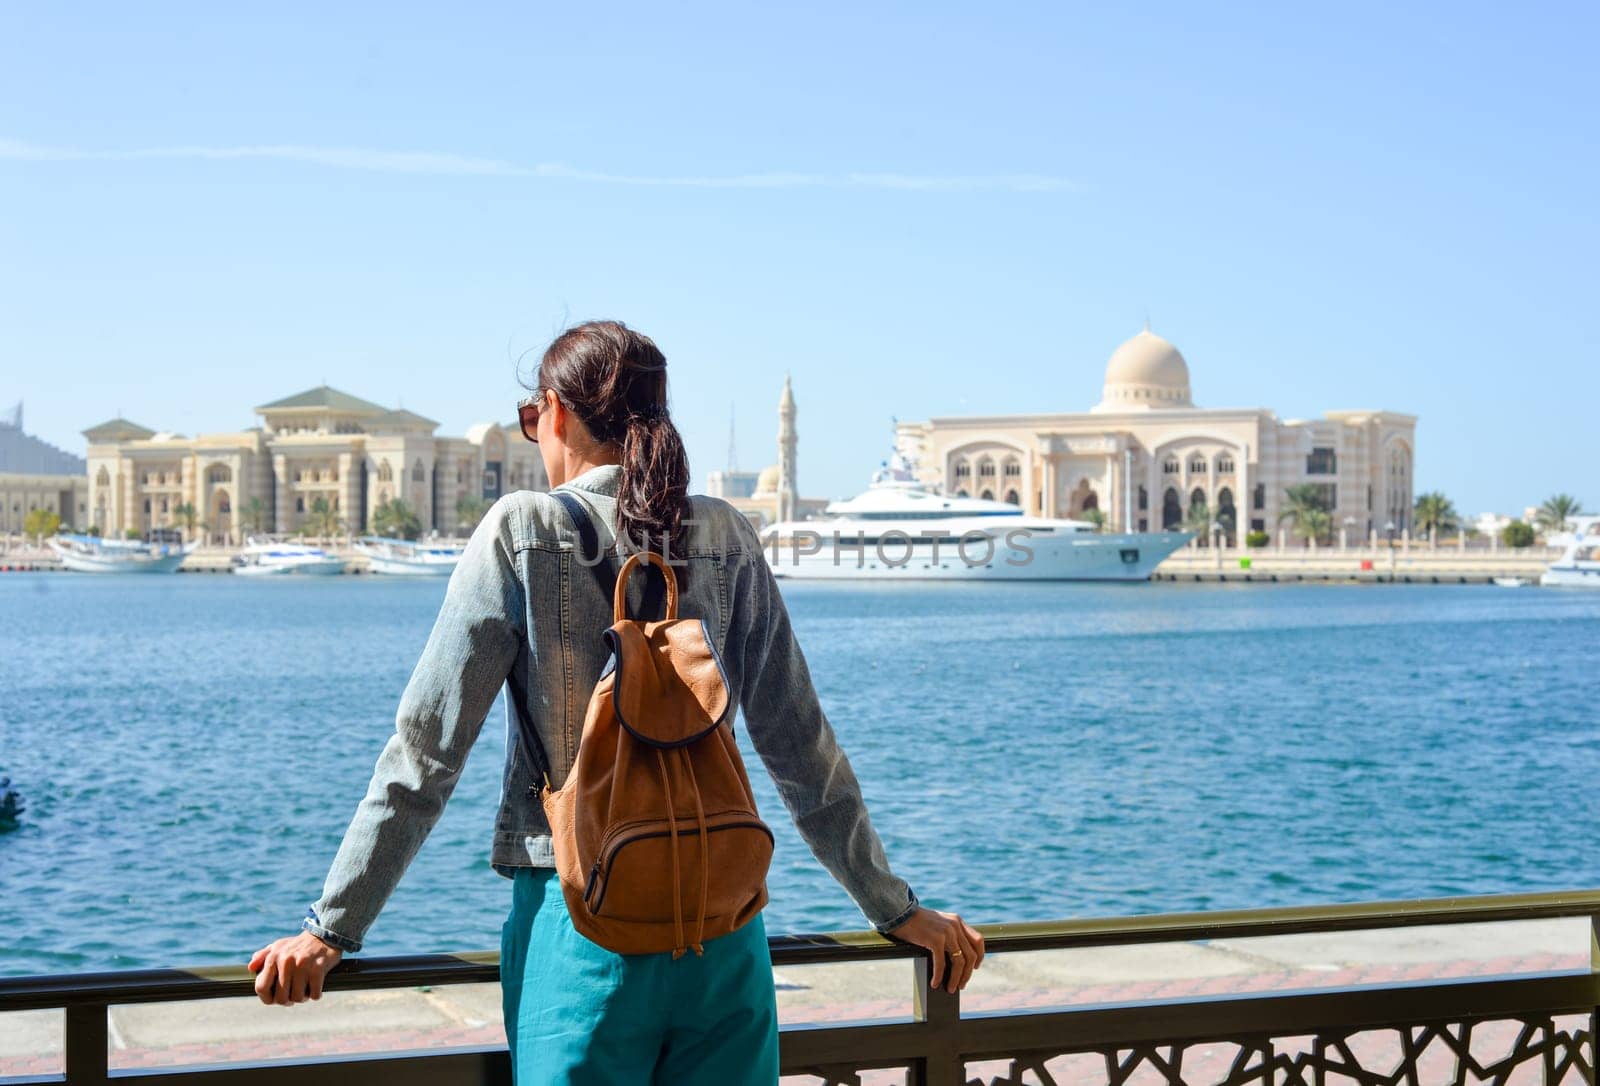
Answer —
86 1044
940 1013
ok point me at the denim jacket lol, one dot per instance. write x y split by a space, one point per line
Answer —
524 612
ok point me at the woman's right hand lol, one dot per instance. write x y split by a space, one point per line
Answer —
957 947
292 969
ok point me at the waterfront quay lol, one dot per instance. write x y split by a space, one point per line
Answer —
1501 988
1402 563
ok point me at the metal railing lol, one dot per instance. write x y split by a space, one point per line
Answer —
1545 1019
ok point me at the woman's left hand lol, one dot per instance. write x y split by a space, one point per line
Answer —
292 969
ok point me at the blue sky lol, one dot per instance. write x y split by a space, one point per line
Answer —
914 209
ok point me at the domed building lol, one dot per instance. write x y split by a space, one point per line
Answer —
1146 458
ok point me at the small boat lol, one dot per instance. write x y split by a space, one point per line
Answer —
405 558
1578 566
94 554
265 557
1512 582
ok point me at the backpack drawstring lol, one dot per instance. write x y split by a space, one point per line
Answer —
705 855
672 828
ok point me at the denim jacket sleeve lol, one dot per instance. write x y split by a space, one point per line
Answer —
790 732
468 655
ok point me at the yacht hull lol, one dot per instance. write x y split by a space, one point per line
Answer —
401 567
1066 557
1576 575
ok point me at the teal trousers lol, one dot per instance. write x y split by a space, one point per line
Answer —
577 1014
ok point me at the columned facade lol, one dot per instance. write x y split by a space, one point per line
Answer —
1147 459
319 450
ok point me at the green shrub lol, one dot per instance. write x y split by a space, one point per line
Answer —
1517 534
1257 539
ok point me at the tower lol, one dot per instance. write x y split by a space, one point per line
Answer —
788 490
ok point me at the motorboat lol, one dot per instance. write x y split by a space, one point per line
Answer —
1578 566
1512 582
406 558
95 554
265 557
900 529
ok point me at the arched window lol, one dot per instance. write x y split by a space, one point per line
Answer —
1197 500
1144 499
1012 469
418 472
300 505
1013 498
1225 464
1170 466
1227 516
104 478
987 495
219 473
385 472
986 468
1171 510
1197 464
963 469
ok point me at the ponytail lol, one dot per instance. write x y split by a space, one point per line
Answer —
655 484
615 380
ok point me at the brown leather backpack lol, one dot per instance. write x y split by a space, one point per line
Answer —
657 841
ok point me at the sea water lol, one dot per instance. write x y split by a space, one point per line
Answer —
190 750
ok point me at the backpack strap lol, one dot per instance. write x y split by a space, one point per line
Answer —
605 572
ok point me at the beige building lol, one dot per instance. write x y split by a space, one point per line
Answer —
319 443
1146 455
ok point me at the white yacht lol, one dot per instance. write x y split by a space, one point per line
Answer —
900 530
405 558
93 554
263 556
1578 566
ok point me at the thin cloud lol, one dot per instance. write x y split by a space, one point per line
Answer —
445 164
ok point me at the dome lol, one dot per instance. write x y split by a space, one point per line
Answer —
1147 373
767 482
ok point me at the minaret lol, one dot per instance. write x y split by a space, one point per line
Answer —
788 491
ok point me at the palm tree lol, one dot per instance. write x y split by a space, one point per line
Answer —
324 521
253 515
1434 513
1096 517
1198 521
187 515
396 519
1554 514
469 510
1307 512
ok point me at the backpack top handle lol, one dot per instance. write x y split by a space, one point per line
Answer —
619 599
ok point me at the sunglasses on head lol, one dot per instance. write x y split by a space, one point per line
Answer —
528 414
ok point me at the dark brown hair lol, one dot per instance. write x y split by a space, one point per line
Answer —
615 380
